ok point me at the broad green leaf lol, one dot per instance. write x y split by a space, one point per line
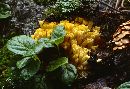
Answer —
4 11
30 69
125 85
43 43
58 35
68 74
22 63
57 63
26 46
23 45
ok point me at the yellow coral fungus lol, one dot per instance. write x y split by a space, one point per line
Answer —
45 30
79 40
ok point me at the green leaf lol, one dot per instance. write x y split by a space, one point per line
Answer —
58 35
26 46
30 69
22 63
4 11
45 42
57 63
125 85
23 45
68 74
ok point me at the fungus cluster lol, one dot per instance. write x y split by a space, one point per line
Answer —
79 41
121 36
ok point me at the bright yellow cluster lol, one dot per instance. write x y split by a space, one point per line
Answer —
79 52
80 39
45 30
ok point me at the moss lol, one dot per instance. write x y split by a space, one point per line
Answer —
7 61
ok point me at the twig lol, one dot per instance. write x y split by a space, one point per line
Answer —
127 11
109 6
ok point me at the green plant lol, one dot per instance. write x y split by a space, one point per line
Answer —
125 85
7 62
68 74
57 63
30 64
29 48
4 11
68 5
63 6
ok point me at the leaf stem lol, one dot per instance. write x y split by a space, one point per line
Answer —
35 57
58 50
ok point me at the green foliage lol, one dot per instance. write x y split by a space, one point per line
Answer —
39 82
57 63
7 60
2 40
22 63
4 11
30 69
45 43
58 35
5 37
125 85
26 46
23 45
28 66
5 54
63 6
68 74
68 5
